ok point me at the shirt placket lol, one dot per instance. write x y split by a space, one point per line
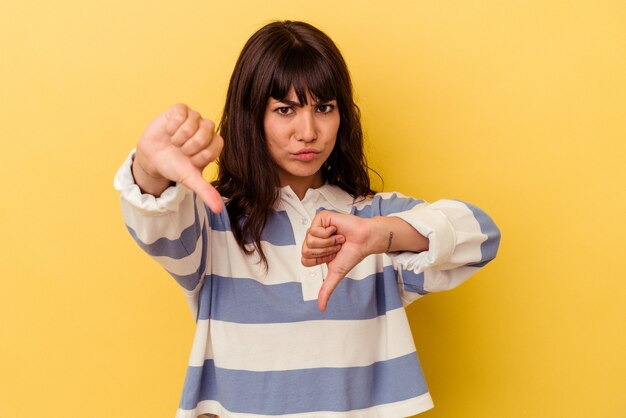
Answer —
300 216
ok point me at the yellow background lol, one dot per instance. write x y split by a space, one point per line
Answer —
516 106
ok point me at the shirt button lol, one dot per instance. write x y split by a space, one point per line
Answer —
312 274
305 221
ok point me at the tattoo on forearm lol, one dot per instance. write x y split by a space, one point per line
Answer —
390 241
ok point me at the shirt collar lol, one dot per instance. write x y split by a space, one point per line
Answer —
340 200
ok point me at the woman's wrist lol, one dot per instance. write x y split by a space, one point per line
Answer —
381 235
391 234
141 166
148 182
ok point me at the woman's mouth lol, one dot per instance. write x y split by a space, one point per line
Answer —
306 154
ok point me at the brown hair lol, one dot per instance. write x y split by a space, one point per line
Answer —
278 56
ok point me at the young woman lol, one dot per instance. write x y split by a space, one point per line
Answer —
290 221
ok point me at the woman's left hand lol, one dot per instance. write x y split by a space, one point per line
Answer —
341 241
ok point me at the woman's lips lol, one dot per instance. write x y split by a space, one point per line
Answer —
306 155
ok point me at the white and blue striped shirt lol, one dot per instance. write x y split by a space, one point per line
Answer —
262 348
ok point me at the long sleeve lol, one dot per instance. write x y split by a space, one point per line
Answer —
173 228
462 239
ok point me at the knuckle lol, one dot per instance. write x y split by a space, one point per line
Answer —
179 112
219 142
203 156
323 213
199 141
187 130
206 132
207 154
208 124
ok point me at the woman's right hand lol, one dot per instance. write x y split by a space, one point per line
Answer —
176 146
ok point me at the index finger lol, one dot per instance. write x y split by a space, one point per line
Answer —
320 231
175 116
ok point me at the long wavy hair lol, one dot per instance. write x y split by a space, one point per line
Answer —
277 57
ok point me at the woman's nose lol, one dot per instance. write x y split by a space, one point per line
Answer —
306 129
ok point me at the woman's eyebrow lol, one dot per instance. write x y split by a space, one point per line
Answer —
288 102
298 104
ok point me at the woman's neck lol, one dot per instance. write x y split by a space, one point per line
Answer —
300 185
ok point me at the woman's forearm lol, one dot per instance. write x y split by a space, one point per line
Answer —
391 234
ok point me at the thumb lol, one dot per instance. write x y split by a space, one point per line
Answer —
328 287
195 182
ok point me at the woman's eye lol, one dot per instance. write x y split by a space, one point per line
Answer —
325 108
283 110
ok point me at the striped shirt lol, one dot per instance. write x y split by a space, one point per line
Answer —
262 348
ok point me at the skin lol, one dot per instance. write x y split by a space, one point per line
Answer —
178 144
175 147
291 128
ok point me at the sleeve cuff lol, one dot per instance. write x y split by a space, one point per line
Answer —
435 226
124 183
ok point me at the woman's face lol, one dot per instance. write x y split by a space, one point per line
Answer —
300 138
